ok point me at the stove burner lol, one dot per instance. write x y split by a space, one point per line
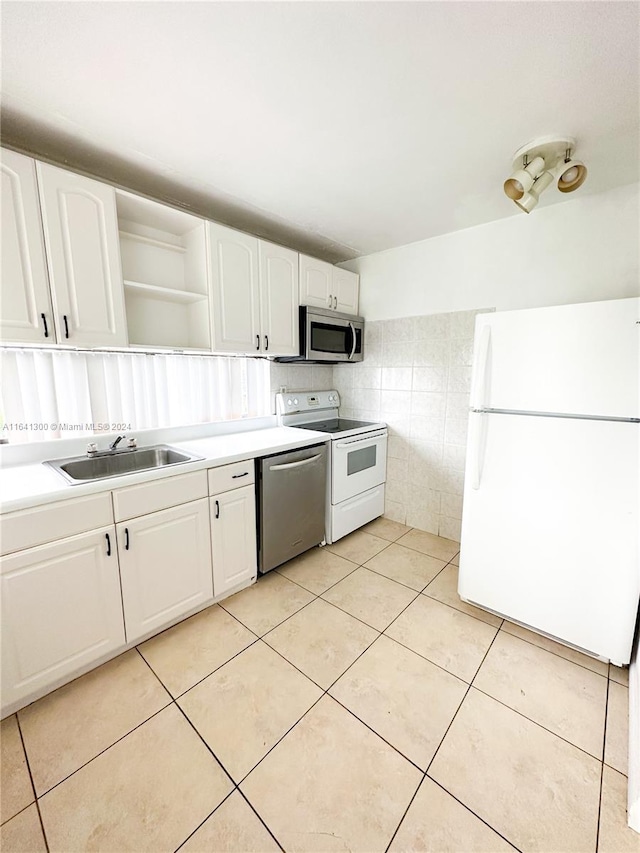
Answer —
334 425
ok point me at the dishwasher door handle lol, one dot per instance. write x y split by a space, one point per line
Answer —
295 464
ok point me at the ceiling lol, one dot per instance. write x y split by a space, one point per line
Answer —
339 128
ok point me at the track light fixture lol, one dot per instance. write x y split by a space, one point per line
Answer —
536 166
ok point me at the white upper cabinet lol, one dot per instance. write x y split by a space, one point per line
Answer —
81 237
25 304
254 294
346 288
325 286
235 296
279 299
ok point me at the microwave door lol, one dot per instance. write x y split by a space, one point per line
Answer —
333 339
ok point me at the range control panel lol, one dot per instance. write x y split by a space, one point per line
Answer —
306 401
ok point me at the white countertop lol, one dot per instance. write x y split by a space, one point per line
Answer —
24 486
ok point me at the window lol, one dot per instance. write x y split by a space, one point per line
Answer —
49 394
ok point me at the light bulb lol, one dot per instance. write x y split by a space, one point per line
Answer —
570 175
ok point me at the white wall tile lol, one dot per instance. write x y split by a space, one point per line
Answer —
397 469
395 511
373 355
454 456
452 481
396 490
449 528
420 496
427 429
451 505
366 398
396 378
462 324
397 448
455 431
428 404
430 353
373 332
457 405
398 330
459 379
423 520
397 353
431 327
322 377
395 402
399 425
368 377
461 352
300 377
429 379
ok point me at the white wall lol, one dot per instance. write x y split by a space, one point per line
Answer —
581 250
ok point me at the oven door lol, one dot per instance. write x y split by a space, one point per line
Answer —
333 338
358 464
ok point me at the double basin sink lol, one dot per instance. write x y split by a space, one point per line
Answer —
115 463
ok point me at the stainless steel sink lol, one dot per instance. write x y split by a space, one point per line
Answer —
116 463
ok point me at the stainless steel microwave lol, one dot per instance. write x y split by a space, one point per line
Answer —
329 337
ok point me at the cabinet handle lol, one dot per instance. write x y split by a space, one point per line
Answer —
66 326
235 476
126 539
217 509
108 545
44 321
335 301
266 343
257 342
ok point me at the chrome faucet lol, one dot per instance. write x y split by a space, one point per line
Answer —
115 443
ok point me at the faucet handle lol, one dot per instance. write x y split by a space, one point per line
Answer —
92 449
132 442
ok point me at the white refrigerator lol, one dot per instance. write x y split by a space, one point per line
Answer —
550 527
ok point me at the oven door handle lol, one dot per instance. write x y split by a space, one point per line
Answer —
353 334
295 464
376 436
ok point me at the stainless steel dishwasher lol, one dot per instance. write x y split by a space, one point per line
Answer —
292 499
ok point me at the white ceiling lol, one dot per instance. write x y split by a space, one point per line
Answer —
339 127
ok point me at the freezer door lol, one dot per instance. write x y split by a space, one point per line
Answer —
574 359
550 527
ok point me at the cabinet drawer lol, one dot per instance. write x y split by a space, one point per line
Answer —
231 476
27 528
160 494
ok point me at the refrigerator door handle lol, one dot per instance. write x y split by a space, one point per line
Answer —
477 441
479 380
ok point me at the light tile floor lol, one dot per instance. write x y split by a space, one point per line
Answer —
348 701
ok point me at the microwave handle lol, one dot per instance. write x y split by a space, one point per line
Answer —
353 333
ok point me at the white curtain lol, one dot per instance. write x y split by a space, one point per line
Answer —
54 394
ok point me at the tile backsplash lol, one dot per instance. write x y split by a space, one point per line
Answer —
416 376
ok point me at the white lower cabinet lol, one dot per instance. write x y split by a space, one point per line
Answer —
233 539
165 566
61 610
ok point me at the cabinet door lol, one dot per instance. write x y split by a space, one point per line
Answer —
345 288
25 306
81 236
316 283
233 538
61 610
235 295
165 566
279 299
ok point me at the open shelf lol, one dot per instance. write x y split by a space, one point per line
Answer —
164 266
165 294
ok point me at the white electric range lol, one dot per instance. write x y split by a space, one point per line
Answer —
358 458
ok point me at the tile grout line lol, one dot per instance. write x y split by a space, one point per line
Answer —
33 787
557 654
604 747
